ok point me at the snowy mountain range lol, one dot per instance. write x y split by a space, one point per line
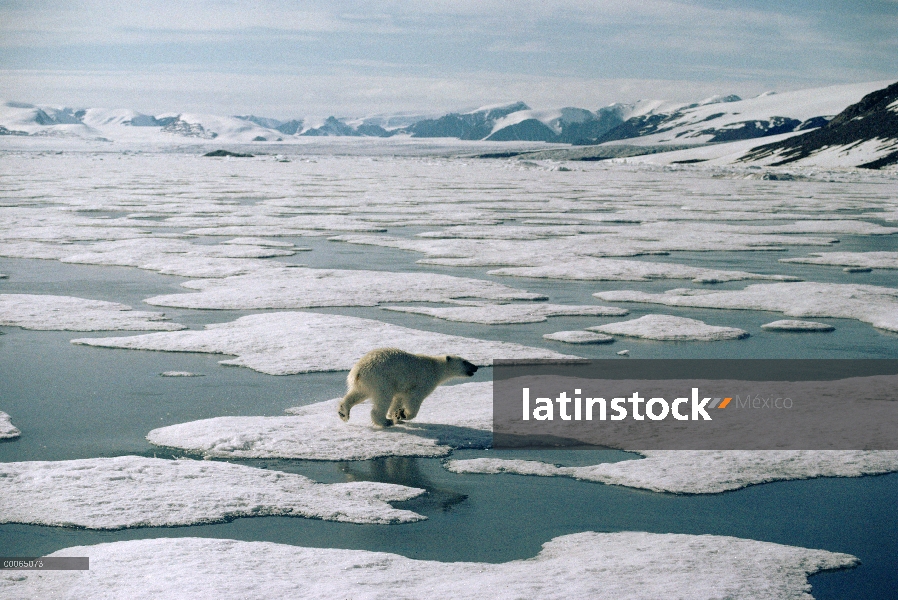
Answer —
719 120
868 129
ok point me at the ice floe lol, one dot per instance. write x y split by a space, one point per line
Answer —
135 491
794 325
863 260
178 257
651 238
28 249
298 342
510 232
701 471
456 416
579 337
494 314
868 303
165 255
7 429
611 269
627 565
300 287
670 328
67 313
180 374
257 241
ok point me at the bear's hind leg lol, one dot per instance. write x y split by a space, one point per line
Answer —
352 398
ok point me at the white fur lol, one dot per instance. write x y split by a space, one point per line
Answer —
398 382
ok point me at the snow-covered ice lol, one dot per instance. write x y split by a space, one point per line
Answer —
626 565
178 257
66 313
670 328
456 416
865 260
794 325
180 374
29 249
300 287
298 342
531 231
7 429
868 303
579 337
494 314
135 491
567 257
587 268
701 471
257 241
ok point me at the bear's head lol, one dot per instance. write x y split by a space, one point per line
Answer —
460 366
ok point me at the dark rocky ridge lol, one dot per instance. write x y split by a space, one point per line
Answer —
468 126
223 153
869 119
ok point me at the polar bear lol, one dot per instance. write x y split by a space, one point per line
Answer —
398 382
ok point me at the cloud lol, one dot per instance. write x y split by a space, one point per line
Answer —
343 94
367 56
523 47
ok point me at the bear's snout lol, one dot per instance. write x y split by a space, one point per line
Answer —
470 368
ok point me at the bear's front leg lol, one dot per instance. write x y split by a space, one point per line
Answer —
379 416
397 411
379 412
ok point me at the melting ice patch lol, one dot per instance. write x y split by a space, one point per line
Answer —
702 471
579 337
652 238
300 287
7 429
511 232
587 268
257 241
297 342
863 260
134 491
29 249
626 565
456 416
67 313
794 325
494 314
868 303
178 257
180 374
671 328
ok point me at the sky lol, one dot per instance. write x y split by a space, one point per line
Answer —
284 59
